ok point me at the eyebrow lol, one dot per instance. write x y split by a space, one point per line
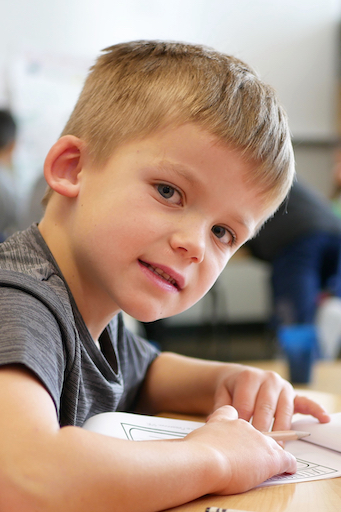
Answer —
180 170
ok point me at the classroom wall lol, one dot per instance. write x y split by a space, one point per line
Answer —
293 44
46 48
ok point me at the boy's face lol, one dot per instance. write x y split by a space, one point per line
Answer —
154 228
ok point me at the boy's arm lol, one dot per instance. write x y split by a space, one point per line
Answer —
176 383
45 468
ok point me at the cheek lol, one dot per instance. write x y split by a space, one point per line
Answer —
208 276
217 268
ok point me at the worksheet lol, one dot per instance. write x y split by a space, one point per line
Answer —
319 455
138 427
314 462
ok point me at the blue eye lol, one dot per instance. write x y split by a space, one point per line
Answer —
171 194
224 235
166 191
219 231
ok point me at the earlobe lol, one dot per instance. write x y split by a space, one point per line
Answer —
63 165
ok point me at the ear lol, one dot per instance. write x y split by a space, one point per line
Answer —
63 165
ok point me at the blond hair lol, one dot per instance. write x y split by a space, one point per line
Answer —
135 88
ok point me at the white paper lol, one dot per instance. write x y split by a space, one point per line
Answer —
138 427
322 434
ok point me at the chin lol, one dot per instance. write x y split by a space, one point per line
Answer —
149 317
148 314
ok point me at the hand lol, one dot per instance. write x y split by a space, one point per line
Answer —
263 396
244 457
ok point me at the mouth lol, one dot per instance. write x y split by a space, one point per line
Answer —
162 273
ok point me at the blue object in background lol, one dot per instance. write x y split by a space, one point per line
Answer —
300 345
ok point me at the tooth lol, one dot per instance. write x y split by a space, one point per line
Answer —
163 274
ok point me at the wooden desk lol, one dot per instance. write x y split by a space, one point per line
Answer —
318 496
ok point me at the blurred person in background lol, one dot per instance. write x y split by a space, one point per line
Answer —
302 243
8 196
336 184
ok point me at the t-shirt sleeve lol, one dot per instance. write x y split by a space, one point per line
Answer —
30 335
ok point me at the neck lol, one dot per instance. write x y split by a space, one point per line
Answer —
93 307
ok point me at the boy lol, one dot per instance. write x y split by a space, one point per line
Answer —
173 157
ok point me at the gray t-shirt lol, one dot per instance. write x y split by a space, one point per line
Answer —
42 329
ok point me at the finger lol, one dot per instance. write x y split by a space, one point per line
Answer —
275 400
290 463
305 405
285 409
286 462
245 393
227 412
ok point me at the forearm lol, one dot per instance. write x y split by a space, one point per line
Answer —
79 471
45 468
181 384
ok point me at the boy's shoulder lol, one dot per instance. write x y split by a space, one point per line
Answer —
26 263
25 252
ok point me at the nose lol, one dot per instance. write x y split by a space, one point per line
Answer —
190 242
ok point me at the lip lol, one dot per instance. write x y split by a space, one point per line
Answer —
178 278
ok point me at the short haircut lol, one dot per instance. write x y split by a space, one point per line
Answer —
138 87
8 129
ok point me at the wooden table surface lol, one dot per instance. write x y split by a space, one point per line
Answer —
318 496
